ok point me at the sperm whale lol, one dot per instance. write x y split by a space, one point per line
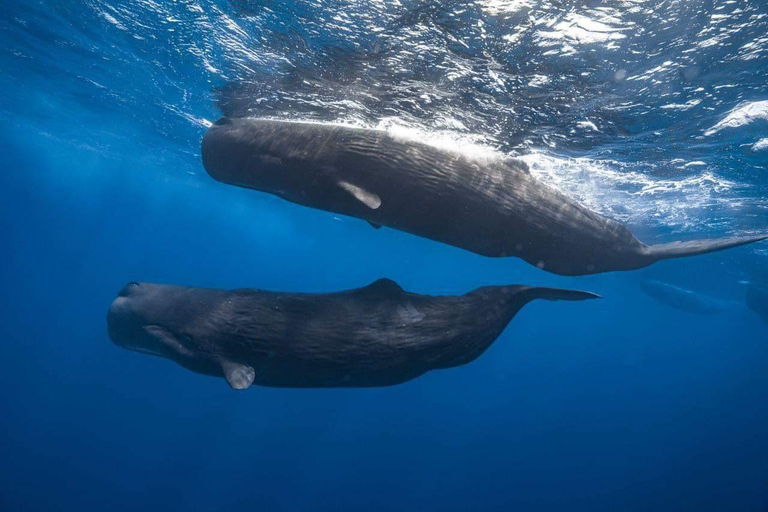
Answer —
493 207
378 335
683 299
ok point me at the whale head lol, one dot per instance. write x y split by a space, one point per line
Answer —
257 154
160 320
301 162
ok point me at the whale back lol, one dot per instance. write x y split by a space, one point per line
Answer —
376 335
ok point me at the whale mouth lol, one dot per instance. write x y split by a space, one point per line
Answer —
126 328
126 333
143 350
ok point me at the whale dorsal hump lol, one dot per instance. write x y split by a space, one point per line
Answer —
384 286
366 197
239 376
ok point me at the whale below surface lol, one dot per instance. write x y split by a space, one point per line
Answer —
490 206
379 335
757 300
680 298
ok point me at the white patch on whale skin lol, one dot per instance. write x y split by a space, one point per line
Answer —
409 314
369 199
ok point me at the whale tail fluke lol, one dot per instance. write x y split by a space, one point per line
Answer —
500 310
538 292
694 247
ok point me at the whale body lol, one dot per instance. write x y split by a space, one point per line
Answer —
379 335
493 207
680 298
757 300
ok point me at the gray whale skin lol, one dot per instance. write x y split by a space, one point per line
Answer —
490 207
379 335
757 300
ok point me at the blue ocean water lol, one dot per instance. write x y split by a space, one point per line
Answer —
653 114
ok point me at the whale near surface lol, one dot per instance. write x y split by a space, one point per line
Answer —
493 207
378 335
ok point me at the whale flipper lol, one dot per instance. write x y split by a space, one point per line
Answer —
369 199
239 376
694 247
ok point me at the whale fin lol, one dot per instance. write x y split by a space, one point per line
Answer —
384 285
239 376
694 247
538 292
369 199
